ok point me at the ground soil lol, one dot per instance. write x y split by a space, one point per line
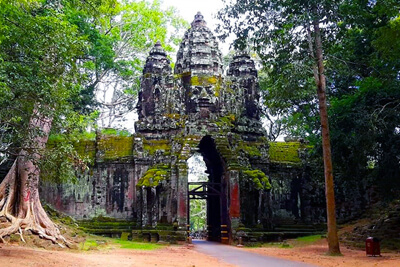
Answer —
14 255
316 254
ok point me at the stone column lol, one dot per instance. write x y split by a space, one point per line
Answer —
234 196
182 195
144 207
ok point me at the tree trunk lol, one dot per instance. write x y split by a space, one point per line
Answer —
19 191
333 241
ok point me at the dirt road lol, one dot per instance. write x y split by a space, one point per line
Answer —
241 257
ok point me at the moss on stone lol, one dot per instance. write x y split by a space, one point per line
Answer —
175 116
154 176
259 179
152 146
226 121
285 151
204 80
250 148
115 132
114 147
86 148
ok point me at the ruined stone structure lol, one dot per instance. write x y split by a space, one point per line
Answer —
197 109
143 179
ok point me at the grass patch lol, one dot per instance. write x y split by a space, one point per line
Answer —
137 245
98 242
309 238
89 244
277 245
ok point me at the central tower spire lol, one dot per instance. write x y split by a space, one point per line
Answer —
199 66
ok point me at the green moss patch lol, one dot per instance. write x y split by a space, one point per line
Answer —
259 179
115 132
89 244
152 146
204 80
115 147
226 121
285 151
251 149
154 176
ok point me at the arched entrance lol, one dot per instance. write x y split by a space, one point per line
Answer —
214 191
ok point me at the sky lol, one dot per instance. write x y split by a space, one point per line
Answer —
187 9
208 8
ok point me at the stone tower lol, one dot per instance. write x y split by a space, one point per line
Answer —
199 110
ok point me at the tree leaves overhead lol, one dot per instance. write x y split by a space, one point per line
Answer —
38 53
361 46
119 43
59 55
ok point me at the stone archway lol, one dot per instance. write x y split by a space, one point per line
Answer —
214 191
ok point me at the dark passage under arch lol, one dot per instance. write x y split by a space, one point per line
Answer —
214 191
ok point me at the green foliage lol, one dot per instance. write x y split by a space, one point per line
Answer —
40 54
115 132
154 176
259 179
39 50
361 54
373 111
119 39
198 215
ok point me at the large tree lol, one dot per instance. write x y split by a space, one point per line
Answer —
289 35
365 99
38 52
53 54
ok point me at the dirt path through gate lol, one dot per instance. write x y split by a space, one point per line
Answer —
243 258
184 256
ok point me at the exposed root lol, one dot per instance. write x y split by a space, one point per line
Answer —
20 234
49 232
25 212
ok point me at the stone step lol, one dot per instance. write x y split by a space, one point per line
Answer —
102 231
283 229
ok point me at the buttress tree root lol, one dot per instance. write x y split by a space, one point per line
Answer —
19 193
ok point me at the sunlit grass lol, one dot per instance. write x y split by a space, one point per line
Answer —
89 244
309 238
95 243
137 245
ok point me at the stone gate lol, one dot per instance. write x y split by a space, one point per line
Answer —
196 108
143 179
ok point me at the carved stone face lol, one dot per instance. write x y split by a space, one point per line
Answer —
203 97
202 92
